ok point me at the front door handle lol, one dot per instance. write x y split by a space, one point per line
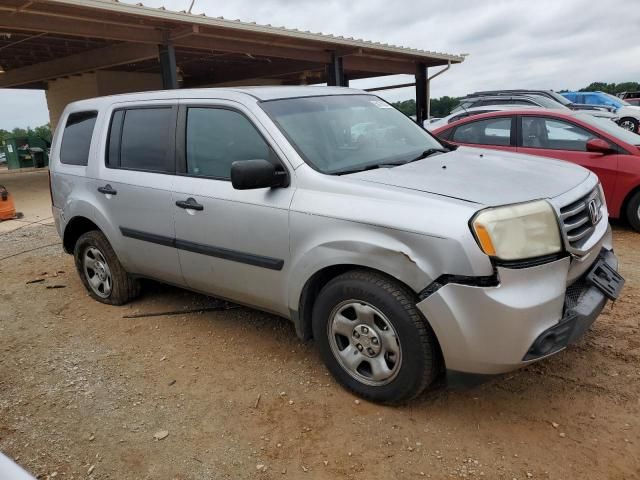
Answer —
190 204
107 190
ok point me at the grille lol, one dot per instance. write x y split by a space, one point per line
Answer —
575 292
577 220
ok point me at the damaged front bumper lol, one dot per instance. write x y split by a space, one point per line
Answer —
529 315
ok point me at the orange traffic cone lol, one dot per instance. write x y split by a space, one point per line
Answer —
7 207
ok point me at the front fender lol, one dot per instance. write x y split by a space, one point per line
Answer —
415 260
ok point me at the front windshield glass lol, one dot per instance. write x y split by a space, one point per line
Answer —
546 102
560 99
617 101
342 133
611 128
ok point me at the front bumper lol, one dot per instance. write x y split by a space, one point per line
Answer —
529 315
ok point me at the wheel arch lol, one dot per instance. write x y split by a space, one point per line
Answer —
75 228
313 286
625 203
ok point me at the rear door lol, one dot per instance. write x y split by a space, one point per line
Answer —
134 186
565 140
496 132
232 243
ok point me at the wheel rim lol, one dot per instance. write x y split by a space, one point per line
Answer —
364 342
628 125
97 272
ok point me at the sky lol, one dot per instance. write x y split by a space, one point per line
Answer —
545 44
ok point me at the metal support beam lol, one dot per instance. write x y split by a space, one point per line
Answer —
390 87
97 59
168 67
421 93
335 72
429 87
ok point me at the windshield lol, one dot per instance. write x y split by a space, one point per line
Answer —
560 99
546 102
617 101
611 128
342 133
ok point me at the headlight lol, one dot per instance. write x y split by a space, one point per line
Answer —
516 232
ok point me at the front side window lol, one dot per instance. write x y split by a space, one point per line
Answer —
142 139
76 138
541 132
216 138
492 131
339 134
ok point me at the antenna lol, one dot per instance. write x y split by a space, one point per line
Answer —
191 6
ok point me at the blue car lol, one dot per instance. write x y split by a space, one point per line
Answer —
628 115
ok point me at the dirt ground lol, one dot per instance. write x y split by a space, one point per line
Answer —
83 391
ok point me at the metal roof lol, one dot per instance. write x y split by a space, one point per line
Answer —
202 19
41 40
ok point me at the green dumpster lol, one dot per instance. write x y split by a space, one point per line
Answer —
25 152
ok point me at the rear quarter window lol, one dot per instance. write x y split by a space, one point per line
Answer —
76 138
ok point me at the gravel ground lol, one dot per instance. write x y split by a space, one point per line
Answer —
86 393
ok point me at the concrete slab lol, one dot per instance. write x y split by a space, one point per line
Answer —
30 191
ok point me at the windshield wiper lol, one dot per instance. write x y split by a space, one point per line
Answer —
427 153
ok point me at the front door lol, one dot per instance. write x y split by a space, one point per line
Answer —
231 243
556 138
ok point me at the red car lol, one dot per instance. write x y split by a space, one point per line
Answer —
598 144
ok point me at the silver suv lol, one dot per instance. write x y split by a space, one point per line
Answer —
402 257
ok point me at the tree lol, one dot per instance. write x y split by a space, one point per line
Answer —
440 107
612 88
44 132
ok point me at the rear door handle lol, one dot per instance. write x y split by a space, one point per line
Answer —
190 204
107 190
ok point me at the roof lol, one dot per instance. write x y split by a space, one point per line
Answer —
140 9
258 93
67 37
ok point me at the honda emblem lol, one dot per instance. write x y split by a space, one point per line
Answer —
594 211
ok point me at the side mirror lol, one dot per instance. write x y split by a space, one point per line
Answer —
598 145
252 174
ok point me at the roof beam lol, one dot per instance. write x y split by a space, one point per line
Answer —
97 59
377 65
234 45
86 28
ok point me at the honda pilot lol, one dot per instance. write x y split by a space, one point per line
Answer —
401 256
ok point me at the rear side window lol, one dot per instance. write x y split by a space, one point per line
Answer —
493 131
76 138
143 139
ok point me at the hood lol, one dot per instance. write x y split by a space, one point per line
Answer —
488 177
629 110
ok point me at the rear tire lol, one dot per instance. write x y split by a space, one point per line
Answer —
631 124
633 211
373 339
101 272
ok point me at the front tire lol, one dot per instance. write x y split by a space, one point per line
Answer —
631 124
633 211
373 339
101 272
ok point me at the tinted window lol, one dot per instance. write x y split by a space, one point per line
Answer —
493 131
76 139
146 140
539 132
216 138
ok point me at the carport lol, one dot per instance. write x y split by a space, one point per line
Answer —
77 49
